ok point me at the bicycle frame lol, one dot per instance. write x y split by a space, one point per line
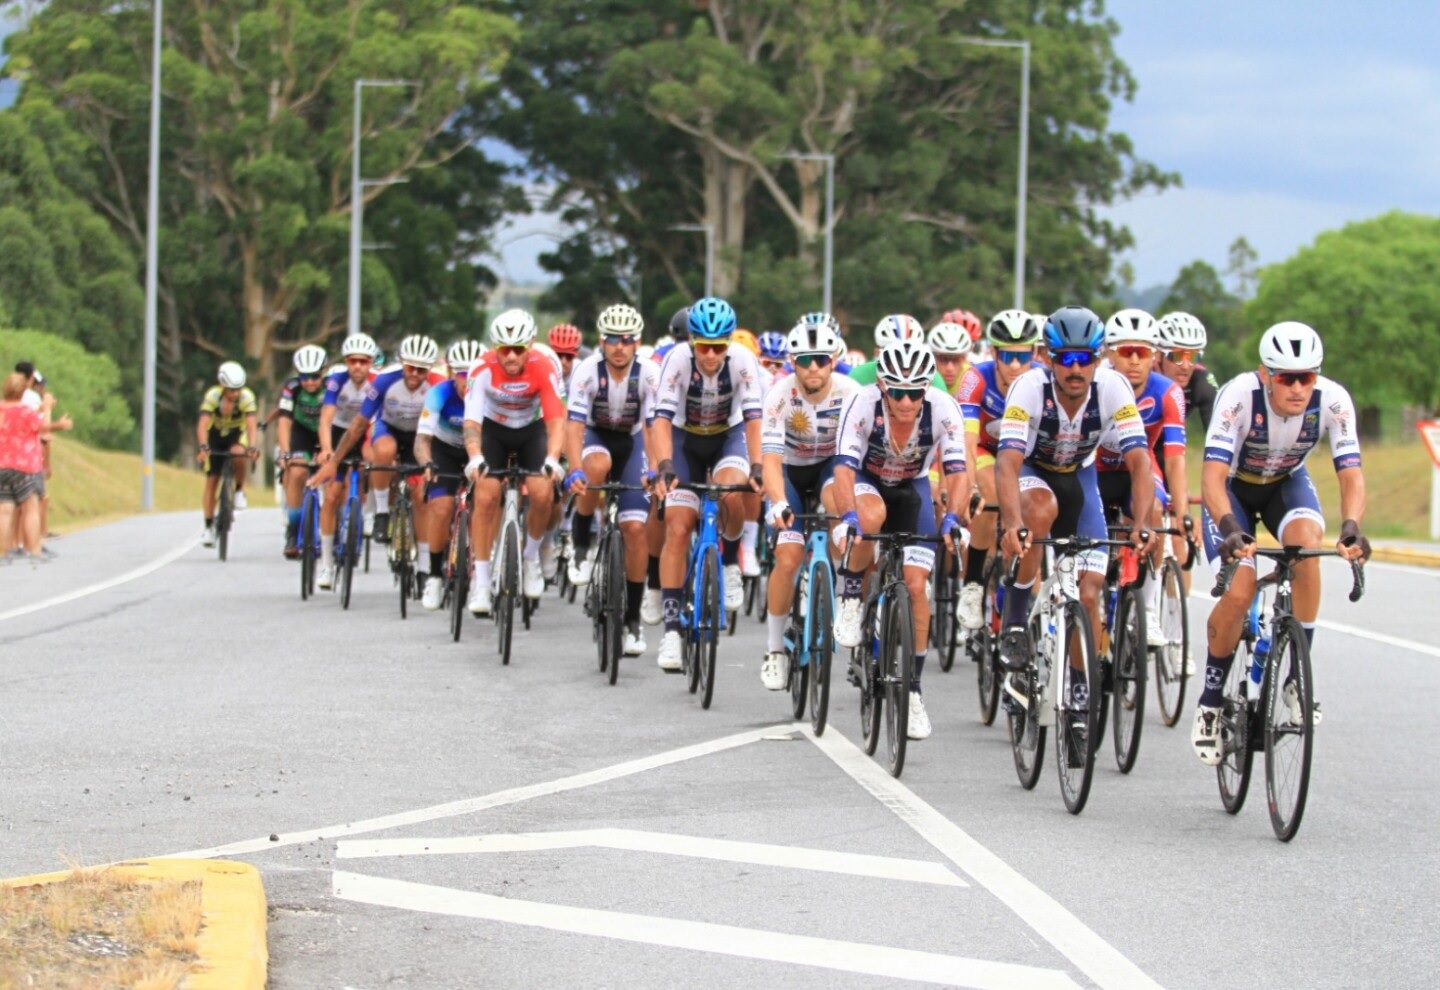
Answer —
707 534
817 556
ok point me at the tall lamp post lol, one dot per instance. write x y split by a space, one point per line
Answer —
357 199
1024 47
152 264
709 232
829 161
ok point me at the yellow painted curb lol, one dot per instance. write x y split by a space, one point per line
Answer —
232 944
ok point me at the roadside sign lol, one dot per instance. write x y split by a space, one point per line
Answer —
1430 433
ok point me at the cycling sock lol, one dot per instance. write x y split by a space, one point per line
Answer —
775 631
919 668
327 549
1151 592
209 521
729 551
974 564
652 573
1017 603
580 531
1212 695
382 501
292 519
1309 630
437 562
634 593
482 573
424 550
1079 691
532 548
670 608
749 533
852 583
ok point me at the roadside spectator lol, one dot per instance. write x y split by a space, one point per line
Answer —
22 465
47 407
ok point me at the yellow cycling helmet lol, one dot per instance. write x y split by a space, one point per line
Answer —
747 340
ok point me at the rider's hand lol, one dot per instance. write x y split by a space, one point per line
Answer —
553 470
779 515
1143 540
1353 545
666 477
253 453
475 468
955 536
432 472
1237 544
1012 544
757 477
202 453
575 481
324 457
846 532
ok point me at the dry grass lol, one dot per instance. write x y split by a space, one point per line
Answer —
99 927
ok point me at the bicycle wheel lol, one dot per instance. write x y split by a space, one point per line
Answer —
349 548
1172 660
593 605
459 572
614 577
868 653
402 540
1288 740
898 657
947 626
307 546
820 650
504 604
1027 735
1128 672
225 514
799 681
980 646
709 628
1236 739
1077 732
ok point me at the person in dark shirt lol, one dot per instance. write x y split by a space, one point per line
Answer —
1182 345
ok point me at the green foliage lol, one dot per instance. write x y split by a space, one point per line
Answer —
86 385
1372 291
1198 290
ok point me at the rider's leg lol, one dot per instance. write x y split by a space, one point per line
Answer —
1038 510
295 477
209 497
789 550
439 508
484 524
596 465
871 510
680 515
383 452
542 500
1304 531
982 528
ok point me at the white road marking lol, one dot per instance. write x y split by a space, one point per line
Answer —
498 799
1375 637
699 847
92 589
750 943
1095 957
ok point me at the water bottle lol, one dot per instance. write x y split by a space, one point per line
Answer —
1257 667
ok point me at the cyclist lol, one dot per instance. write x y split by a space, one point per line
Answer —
564 341
679 332
707 419
440 446
1268 422
1013 336
797 450
1130 342
344 395
773 356
889 434
973 329
1181 343
512 406
298 432
951 345
1045 474
611 401
227 408
897 326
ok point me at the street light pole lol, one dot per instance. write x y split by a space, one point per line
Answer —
829 161
357 200
152 262
709 232
1024 170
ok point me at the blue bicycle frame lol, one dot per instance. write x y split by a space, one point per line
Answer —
352 505
817 558
707 536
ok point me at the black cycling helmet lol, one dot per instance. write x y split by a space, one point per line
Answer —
680 324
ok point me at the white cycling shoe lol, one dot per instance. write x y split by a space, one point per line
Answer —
1297 714
532 577
580 571
241 502
650 607
919 723
479 602
968 609
634 641
1154 635
434 593
671 652
1205 735
774 670
734 587
325 578
847 622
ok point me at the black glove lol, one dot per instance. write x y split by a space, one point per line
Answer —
757 475
1235 538
666 470
1350 536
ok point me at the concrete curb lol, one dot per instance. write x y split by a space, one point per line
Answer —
1403 555
232 945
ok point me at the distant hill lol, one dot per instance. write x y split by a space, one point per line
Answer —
1146 299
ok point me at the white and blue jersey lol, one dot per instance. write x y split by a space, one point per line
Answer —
1261 446
866 444
1035 423
345 396
603 403
388 403
443 415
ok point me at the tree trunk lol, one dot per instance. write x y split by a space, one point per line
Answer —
727 184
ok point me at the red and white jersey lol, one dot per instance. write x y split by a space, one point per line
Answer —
517 400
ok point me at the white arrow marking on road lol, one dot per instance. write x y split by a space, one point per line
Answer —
631 840
1095 957
91 589
699 936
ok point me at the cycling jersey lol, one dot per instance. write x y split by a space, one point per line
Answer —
1200 394
443 416
865 443
346 397
1261 446
801 431
300 405
388 401
1161 405
222 421
865 374
513 400
982 403
599 400
705 405
1035 424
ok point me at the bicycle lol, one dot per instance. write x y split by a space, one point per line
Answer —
456 569
808 638
703 614
605 595
944 623
505 578
1259 712
1037 698
225 503
1172 661
403 551
1123 652
309 537
982 645
351 529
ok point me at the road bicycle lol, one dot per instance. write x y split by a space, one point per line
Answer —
982 646
459 561
1172 660
309 537
351 529
1123 656
225 501
702 615
403 550
605 595
1269 692
505 557
809 639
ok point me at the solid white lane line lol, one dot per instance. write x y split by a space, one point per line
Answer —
1095 957
114 582
1375 637
485 802
749 943
698 847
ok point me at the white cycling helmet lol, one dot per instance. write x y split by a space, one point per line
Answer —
462 354
231 375
310 359
359 345
897 326
1133 325
1291 346
905 364
950 338
1180 331
644 352
812 338
418 350
513 328
1015 328
620 320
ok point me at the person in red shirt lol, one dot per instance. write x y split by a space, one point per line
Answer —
22 465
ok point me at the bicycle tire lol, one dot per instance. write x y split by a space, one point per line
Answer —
820 651
1172 661
980 644
942 616
1027 735
868 650
1237 741
459 573
504 604
307 546
225 515
401 540
1128 666
614 602
593 606
799 682
349 549
1289 748
899 672
367 547
709 640
1069 746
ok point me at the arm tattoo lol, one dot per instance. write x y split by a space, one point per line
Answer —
472 437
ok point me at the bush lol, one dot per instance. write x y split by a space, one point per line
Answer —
85 385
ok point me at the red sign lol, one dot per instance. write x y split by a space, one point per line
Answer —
1430 433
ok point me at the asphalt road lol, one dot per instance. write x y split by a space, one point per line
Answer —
441 821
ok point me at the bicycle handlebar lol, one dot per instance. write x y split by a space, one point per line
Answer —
614 486
706 488
1286 558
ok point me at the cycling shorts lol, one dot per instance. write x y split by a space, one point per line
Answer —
221 443
1276 504
304 442
529 444
627 466
803 485
1077 495
1115 491
699 455
404 440
449 460
908 509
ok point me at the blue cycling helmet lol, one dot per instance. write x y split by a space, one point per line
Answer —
712 318
773 346
1074 328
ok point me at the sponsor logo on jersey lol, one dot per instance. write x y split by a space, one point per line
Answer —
1127 411
1017 414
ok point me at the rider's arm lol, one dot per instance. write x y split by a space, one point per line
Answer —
422 448
555 438
327 423
353 436
251 429
1018 428
1215 489
843 488
1352 494
574 442
282 434
202 428
1007 487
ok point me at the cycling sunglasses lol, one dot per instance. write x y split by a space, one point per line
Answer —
897 394
1289 378
812 360
419 369
1014 357
719 348
1184 356
312 377
1074 359
510 350
1132 351
356 360
618 340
